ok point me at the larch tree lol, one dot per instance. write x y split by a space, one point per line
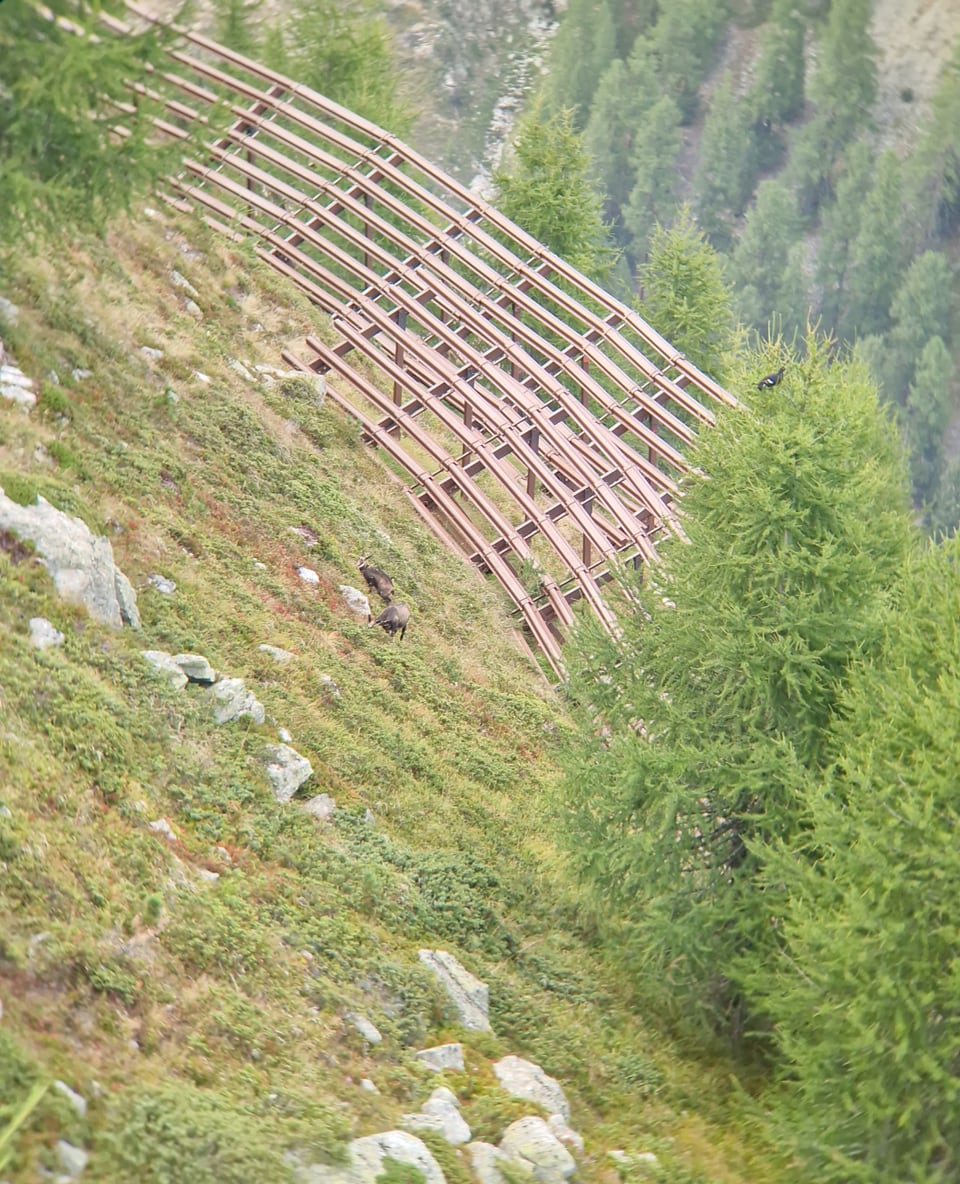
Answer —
68 156
705 716
865 997
545 187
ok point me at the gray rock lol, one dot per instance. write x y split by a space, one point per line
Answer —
162 827
43 633
163 662
78 374
321 807
367 1084
356 601
80 562
126 600
151 354
442 1056
275 652
366 1028
196 668
8 311
286 768
162 584
284 735
441 1113
566 1134
233 700
331 686
366 1158
77 1101
72 1159
467 993
16 386
524 1079
308 575
532 1141
486 1161
181 281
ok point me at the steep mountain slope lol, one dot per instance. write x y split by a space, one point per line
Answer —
178 946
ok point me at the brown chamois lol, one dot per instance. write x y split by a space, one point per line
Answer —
394 619
377 581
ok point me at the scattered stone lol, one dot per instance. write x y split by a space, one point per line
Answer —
126 600
566 1134
181 281
162 584
368 818
284 735
487 1160
308 575
80 563
309 536
321 807
224 854
286 768
524 1079
162 827
78 1102
72 1159
206 874
441 1113
148 351
366 1028
332 689
196 668
163 662
16 386
44 634
366 1156
9 311
5 811
442 1056
201 377
234 701
239 368
356 601
78 374
193 309
531 1140
260 566
172 396
468 994
276 653
367 1084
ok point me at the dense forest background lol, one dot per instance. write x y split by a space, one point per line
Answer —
765 119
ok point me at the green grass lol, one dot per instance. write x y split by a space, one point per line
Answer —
202 1017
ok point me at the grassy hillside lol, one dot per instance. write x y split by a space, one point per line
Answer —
194 990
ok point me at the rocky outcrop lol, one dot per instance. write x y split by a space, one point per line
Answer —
80 562
366 1156
286 769
441 1113
467 994
442 1056
523 1079
532 1141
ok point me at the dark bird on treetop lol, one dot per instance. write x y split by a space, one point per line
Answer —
771 379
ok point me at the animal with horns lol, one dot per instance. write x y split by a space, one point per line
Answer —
393 620
377 581
773 379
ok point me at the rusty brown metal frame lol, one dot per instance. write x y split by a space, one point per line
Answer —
540 381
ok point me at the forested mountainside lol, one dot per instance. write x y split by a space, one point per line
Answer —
822 164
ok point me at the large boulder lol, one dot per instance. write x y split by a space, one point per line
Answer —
287 770
366 1158
526 1080
531 1141
441 1113
468 994
80 562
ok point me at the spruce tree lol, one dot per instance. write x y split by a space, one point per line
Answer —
582 50
724 169
656 145
876 254
928 410
707 714
760 260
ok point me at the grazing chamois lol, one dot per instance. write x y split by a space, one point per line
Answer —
394 619
773 379
377 581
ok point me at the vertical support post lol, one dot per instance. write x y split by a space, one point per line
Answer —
587 549
533 439
367 230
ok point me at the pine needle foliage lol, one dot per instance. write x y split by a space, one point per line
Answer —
865 1004
64 162
703 720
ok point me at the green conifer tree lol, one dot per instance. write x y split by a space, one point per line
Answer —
865 997
704 717
724 168
876 254
62 162
684 294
